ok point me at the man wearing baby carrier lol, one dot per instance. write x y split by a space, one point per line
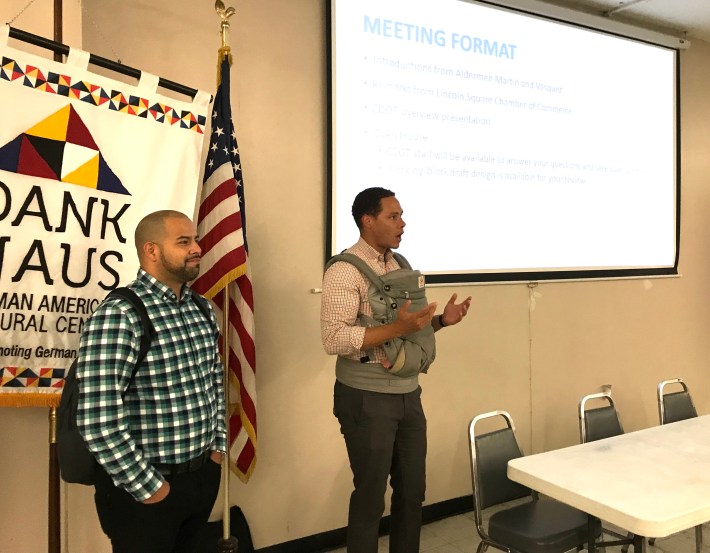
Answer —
375 317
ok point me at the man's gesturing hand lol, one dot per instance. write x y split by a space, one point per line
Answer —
454 312
412 321
405 323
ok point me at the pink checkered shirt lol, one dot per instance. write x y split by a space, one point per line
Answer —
345 298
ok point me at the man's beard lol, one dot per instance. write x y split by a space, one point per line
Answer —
181 272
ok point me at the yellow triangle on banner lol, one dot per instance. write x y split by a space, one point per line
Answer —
53 127
86 175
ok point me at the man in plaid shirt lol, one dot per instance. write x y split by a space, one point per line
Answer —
160 438
380 413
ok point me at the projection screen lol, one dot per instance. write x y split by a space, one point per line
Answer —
520 148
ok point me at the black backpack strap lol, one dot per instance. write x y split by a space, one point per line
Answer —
148 329
203 304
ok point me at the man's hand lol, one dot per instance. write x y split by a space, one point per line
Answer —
217 457
158 496
408 322
453 312
405 323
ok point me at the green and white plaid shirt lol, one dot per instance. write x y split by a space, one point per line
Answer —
174 409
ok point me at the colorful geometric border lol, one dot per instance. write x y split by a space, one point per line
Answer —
24 377
114 100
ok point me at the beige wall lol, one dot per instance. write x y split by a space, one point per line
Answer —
536 364
38 18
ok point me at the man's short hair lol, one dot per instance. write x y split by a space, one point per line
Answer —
152 227
368 202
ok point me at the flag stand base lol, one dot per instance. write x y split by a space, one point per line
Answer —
227 545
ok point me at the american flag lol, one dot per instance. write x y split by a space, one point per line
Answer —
221 225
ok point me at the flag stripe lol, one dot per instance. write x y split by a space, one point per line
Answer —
215 195
245 395
246 291
227 225
222 249
242 329
246 458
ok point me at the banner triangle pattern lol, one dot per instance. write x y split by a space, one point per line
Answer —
60 147
114 100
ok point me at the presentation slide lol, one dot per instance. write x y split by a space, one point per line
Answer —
514 143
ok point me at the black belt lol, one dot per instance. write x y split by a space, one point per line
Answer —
181 468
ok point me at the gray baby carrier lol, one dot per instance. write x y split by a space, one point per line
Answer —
411 354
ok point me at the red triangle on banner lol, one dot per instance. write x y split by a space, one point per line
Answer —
33 71
47 87
77 133
31 163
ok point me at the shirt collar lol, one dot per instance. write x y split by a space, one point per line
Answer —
161 289
371 253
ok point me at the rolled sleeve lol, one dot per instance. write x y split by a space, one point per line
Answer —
340 305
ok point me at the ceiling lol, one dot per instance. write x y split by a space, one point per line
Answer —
680 18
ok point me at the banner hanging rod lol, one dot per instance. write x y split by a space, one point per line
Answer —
111 65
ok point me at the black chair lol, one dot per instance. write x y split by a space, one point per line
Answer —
673 407
597 423
533 526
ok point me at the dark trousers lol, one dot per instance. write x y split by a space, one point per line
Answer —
385 435
165 527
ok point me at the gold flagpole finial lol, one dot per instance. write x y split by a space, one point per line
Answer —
224 13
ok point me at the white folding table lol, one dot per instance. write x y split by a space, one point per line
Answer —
652 482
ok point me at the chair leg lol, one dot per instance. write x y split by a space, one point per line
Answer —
482 546
625 548
639 544
698 538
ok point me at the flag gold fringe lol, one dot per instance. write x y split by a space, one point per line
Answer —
22 399
232 275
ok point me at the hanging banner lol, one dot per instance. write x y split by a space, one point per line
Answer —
82 159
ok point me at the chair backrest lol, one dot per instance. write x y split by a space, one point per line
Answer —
675 406
490 453
600 422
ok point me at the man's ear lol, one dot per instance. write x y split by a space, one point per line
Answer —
150 250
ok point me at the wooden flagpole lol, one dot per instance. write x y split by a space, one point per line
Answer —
54 544
58 27
227 543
